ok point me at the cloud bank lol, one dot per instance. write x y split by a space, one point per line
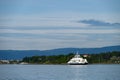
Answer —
93 22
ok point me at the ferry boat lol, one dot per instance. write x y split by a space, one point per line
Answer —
77 60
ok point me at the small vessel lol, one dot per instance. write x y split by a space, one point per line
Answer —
77 60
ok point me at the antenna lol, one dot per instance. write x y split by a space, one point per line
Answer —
77 55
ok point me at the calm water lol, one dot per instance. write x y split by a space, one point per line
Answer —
59 72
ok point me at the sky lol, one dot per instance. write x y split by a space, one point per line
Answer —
51 24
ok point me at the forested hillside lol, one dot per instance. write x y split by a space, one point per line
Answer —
108 57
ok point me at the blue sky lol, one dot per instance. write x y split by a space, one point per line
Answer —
50 24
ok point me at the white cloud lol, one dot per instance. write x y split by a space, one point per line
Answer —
63 31
45 43
56 19
82 37
17 21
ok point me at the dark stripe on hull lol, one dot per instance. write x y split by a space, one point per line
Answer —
77 64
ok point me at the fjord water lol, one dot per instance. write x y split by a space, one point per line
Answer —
60 72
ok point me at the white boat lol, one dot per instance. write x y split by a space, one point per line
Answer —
77 60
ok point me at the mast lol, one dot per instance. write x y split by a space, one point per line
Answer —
77 55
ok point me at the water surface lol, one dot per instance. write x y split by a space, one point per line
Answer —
59 72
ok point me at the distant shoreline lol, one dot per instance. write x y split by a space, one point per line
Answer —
59 64
102 58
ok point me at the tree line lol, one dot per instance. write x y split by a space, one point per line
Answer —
108 57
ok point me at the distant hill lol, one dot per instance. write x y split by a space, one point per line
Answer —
19 54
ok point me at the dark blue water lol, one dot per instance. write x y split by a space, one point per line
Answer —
59 72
